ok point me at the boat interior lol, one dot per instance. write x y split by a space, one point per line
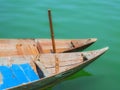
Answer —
20 69
16 70
10 47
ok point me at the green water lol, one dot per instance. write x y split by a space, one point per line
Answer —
72 19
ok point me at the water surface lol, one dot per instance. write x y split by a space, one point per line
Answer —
72 19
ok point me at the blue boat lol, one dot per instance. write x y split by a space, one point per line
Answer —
30 72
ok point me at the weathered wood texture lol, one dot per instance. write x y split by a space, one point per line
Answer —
69 63
66 69
64 45
9 47
66 60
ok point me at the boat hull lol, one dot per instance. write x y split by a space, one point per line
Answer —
73 62
46 82
13 47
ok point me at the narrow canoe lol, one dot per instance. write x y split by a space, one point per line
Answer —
31 72
10 47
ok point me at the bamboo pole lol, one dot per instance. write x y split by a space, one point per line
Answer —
53 42
51 30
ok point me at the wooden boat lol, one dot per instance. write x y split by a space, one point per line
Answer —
10 47
30 72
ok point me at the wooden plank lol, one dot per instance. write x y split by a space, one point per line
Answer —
39 47
29 72
42 67
19 73
8 79
57 62
75 43
19 49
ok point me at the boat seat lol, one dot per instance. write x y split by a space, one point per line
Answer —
16 74
39 47
42 67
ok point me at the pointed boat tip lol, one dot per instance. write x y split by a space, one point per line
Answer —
94 39
105 48
96 53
